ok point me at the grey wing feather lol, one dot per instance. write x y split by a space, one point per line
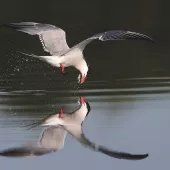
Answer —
25 151
113 35
51 140
52 38
120 155
112 153
53 137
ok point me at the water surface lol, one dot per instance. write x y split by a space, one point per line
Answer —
127 114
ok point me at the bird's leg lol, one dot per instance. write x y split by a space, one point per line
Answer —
62 68
61 112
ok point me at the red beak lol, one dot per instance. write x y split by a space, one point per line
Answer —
61 112
62 68
82 79
82 99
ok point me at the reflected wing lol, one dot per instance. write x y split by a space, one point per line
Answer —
25 151
53 38
51 140
112 35
78 134
53 137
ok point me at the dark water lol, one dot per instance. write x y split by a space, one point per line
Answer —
128 87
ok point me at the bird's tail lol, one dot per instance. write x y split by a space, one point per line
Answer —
30 54
37 123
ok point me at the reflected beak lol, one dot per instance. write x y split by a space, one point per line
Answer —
62 68
61 112
82 100
82 79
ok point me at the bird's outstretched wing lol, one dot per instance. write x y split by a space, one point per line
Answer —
53 38
25 151
76 131
112 35
53 137
51 140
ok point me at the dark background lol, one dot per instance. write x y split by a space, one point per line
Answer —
81 19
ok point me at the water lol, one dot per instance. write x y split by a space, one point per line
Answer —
127 114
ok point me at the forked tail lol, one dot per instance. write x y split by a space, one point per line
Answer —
30 54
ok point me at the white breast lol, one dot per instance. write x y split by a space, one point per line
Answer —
53 60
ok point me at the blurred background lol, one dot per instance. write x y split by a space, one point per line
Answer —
128 86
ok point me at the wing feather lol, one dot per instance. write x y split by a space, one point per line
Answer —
51 140
77 132
52 38
53 137
113 35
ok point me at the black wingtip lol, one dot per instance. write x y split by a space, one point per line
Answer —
138 157
150 39
14 153
122 155
135 35
20 152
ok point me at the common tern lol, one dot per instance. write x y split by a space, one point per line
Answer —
53 40
54 136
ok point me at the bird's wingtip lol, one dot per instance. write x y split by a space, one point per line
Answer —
139 157
144 156
147 38
153 41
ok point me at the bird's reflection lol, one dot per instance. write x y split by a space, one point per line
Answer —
53 137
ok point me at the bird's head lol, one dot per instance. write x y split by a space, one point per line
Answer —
83 75
81 78
84 106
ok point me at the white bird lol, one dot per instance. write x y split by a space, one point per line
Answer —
53 137
53 40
